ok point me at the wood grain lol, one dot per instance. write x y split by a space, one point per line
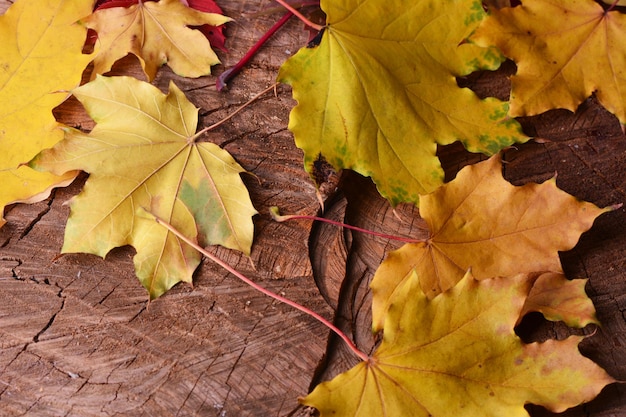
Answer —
79 338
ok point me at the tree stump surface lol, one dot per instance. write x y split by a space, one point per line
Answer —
78 336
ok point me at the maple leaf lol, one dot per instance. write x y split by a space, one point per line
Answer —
214 34
157 33
457 355
564 50
560 299
481 221
379 92
38 37
143 155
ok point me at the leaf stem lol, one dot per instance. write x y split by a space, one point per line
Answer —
230 116
230 73
259 288
283 218
299 15
294 4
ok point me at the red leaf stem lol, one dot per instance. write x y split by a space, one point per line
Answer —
259 288
299 15
282 218
230 73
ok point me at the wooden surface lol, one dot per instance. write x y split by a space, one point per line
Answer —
79 338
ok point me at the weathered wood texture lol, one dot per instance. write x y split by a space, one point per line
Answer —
78 337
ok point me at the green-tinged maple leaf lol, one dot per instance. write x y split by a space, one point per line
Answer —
560 299
157 33
565 50
40 55
457 355
379 92
481 221
143 155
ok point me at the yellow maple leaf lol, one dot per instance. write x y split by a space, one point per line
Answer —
481 221
379 92
458 355
565 50
40 55
157 33
143 155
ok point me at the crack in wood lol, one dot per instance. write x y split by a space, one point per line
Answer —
237 137
13 268
30 225
51 321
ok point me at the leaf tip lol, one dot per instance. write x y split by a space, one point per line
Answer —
613 207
